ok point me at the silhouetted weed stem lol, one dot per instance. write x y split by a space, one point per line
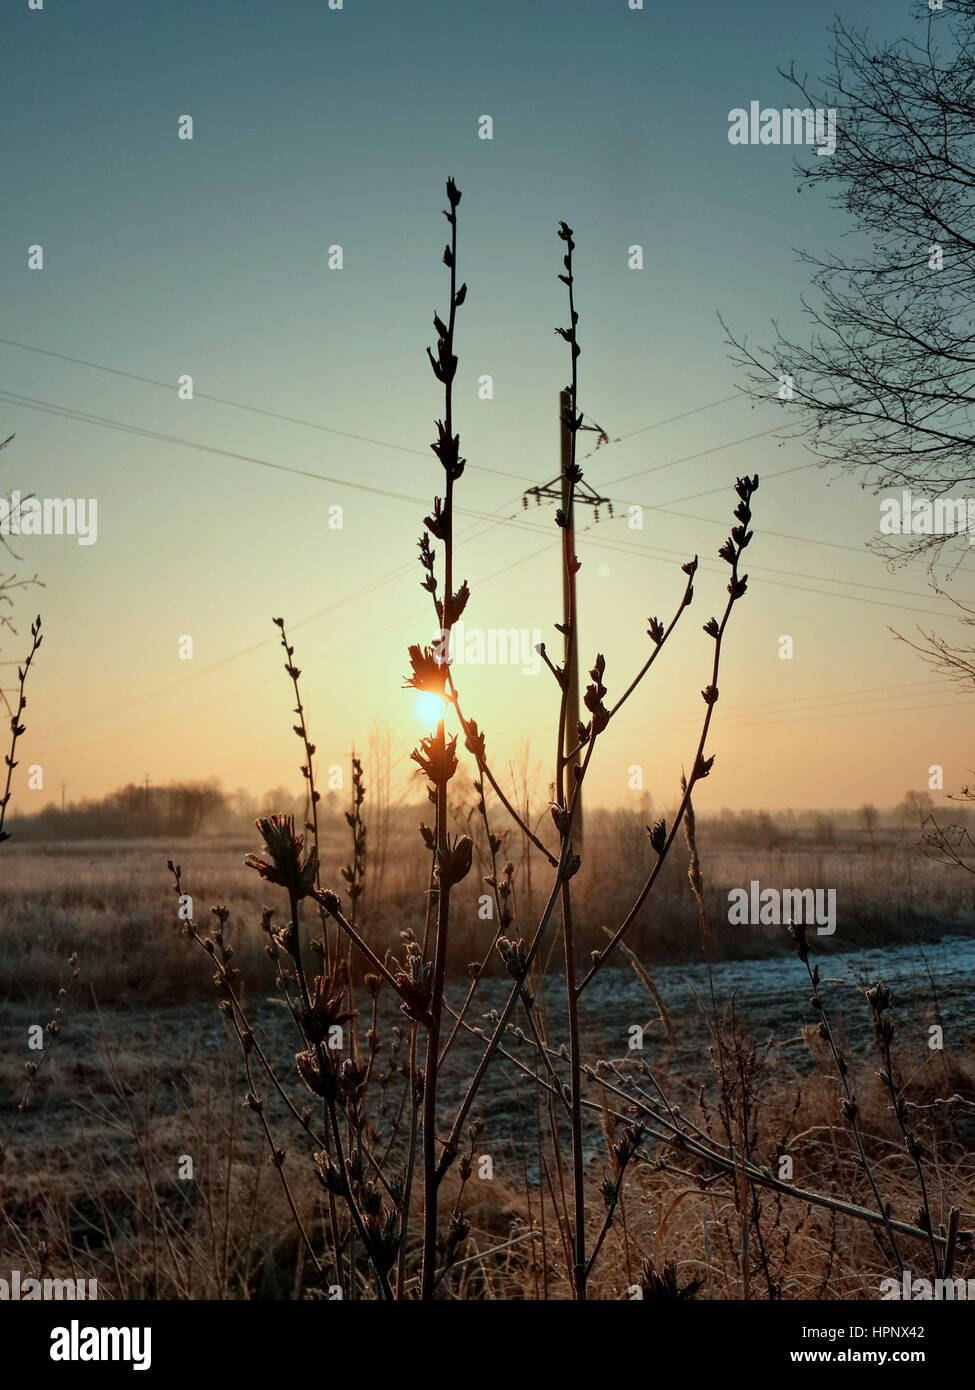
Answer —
307 767
568 865
573 420
225 976
474 742
659 636
436 755
501 889
623 1151
53 1029
354 873
732 1162
416 1099
16 727
296 873
731 551
878 997
850 1107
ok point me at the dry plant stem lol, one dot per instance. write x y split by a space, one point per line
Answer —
34 1068
697 772
884 1034
450 1144
850 1109
484 770
489 953
611 1206
430 1091
355 872
580 1267
644 669
382 1279
570 564
328 1106
448 366
122 1092
732 1162
307 769
502 919
745 1194
330 903
530 1005
16 728
410 1163
550 1090
647 979
543 1052
485 960
248 1041
332 1121
951 1242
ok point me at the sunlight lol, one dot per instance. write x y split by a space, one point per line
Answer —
429 708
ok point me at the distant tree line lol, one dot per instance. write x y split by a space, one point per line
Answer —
181 809
140 810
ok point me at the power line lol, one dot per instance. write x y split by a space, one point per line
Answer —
88 417
804 716
632 548
360 638
69 412
346 434
702 453
710 492
861 696
242 405
380 582
329 429
418 453
399 572
671 419
271 680
708 405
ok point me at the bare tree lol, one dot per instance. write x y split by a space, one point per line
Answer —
915 807
886 381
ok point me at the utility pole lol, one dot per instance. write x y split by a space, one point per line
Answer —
569 498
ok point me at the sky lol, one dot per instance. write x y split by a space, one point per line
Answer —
315 128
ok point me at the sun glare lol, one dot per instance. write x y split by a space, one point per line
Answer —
429 708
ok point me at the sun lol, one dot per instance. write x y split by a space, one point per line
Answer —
429 708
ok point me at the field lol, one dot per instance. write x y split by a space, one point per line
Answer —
134 1162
